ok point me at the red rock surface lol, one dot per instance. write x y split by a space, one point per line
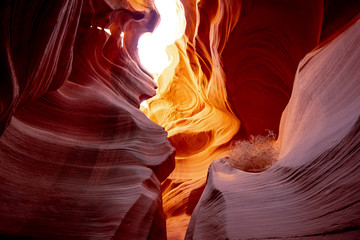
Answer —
79 160
261 57
313 189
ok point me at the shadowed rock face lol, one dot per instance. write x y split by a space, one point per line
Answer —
79 160
312 191
261 57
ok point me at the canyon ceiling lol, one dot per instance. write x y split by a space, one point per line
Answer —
250 132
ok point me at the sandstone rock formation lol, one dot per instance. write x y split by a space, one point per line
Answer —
80 160
313 189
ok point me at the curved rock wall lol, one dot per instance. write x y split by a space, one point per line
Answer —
312 191
233 78
78 159
261 57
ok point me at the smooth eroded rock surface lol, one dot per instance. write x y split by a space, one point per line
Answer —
313 189
79 160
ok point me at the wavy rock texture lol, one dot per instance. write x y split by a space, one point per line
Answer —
80 161
313 190
237 61
36 50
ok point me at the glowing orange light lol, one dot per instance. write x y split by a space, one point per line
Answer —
191 102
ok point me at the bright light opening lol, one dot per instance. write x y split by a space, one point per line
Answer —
152 46
122 39
107 31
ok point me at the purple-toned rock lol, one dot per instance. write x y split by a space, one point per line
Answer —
313 189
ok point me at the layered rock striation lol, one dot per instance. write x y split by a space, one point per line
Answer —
313 189
79 160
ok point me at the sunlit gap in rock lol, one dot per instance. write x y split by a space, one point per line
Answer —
152 46
109 32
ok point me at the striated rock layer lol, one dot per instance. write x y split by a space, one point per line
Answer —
78 159
313 189
232 78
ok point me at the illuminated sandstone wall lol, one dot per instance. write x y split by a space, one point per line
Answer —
233 79
79 160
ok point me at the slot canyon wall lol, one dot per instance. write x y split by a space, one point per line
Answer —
80 159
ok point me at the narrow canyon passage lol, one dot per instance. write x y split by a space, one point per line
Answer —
131 119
